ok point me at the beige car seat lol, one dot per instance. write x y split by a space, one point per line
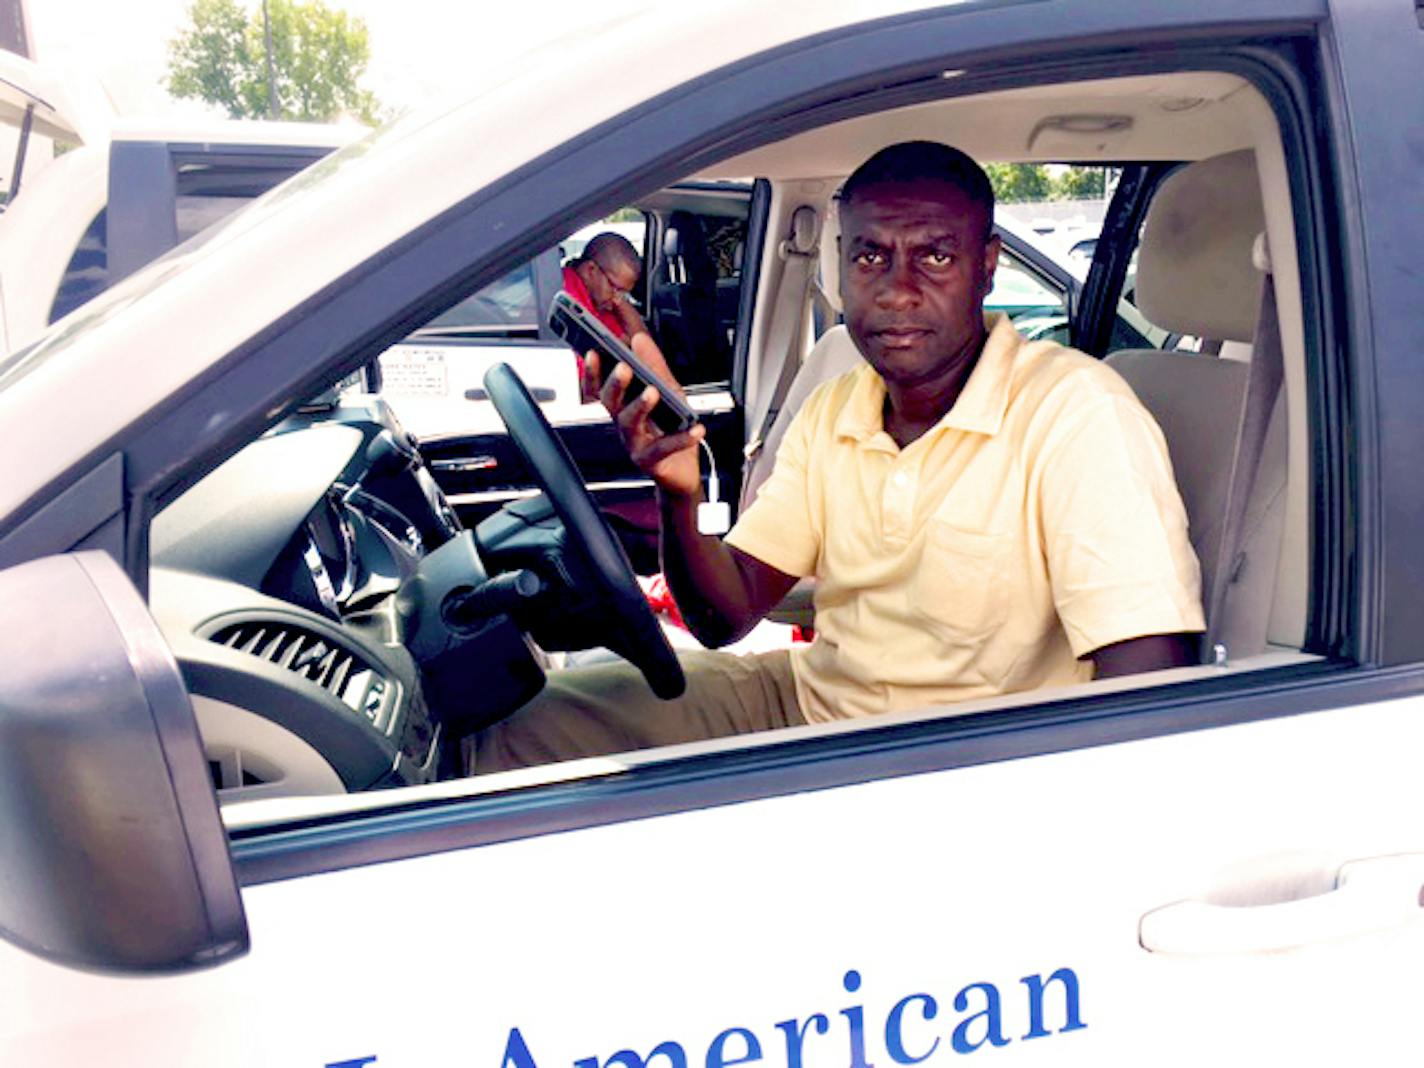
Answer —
1196 276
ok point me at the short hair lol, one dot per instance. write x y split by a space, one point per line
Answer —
612 247
924 161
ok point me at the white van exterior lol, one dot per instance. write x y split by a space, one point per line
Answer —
211 857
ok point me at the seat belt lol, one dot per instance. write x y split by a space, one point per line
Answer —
1263 384
799 251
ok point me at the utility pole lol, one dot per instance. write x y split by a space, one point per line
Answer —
272 112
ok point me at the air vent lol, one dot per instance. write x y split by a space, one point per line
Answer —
312 656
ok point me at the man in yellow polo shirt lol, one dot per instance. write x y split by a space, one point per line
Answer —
982 515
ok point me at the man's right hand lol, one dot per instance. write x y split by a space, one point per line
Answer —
720 590
670 460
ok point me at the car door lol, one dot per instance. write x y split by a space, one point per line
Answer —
1218 864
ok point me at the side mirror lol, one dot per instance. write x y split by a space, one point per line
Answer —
113 855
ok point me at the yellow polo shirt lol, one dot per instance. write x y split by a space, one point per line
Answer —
1036 522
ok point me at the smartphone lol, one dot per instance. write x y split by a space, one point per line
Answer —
579 327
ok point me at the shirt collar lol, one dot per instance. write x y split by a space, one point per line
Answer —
979 408
573 285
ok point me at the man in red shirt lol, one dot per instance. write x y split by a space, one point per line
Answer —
601 280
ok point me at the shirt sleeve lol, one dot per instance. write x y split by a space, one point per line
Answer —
1115 531
779 527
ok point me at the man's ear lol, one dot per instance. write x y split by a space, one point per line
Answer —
991 263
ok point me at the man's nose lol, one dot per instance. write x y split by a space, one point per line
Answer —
898 286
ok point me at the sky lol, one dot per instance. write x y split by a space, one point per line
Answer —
419 48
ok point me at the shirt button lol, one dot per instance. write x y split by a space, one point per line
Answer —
900 479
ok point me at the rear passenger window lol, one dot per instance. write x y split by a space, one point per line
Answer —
88 272
196 212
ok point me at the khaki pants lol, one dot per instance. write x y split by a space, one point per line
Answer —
607 708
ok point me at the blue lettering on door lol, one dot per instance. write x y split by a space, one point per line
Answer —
912 1030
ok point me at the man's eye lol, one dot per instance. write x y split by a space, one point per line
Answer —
868 259
939 259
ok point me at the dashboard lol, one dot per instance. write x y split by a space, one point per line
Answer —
304 587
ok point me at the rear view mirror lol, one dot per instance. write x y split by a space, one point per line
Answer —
113 855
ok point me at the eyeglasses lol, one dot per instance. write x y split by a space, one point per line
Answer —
618 291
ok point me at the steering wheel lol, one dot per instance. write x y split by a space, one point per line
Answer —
636 634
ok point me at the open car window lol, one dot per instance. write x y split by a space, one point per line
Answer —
699 251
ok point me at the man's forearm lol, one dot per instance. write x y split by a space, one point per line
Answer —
709 584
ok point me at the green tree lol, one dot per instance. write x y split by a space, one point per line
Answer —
210 61
1080 183
1014 182
318 56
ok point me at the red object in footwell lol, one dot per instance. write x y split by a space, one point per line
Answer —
660 598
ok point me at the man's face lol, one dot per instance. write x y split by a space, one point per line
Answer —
914 273
609 283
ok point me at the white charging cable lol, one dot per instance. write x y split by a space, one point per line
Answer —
714 515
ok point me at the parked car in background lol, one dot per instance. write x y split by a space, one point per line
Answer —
132 192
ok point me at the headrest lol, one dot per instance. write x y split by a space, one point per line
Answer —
689 229
1194 270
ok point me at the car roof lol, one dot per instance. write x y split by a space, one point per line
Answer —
255 132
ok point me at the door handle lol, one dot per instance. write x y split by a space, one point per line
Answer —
473 463
1369 896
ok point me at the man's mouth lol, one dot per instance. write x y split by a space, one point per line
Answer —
899 336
